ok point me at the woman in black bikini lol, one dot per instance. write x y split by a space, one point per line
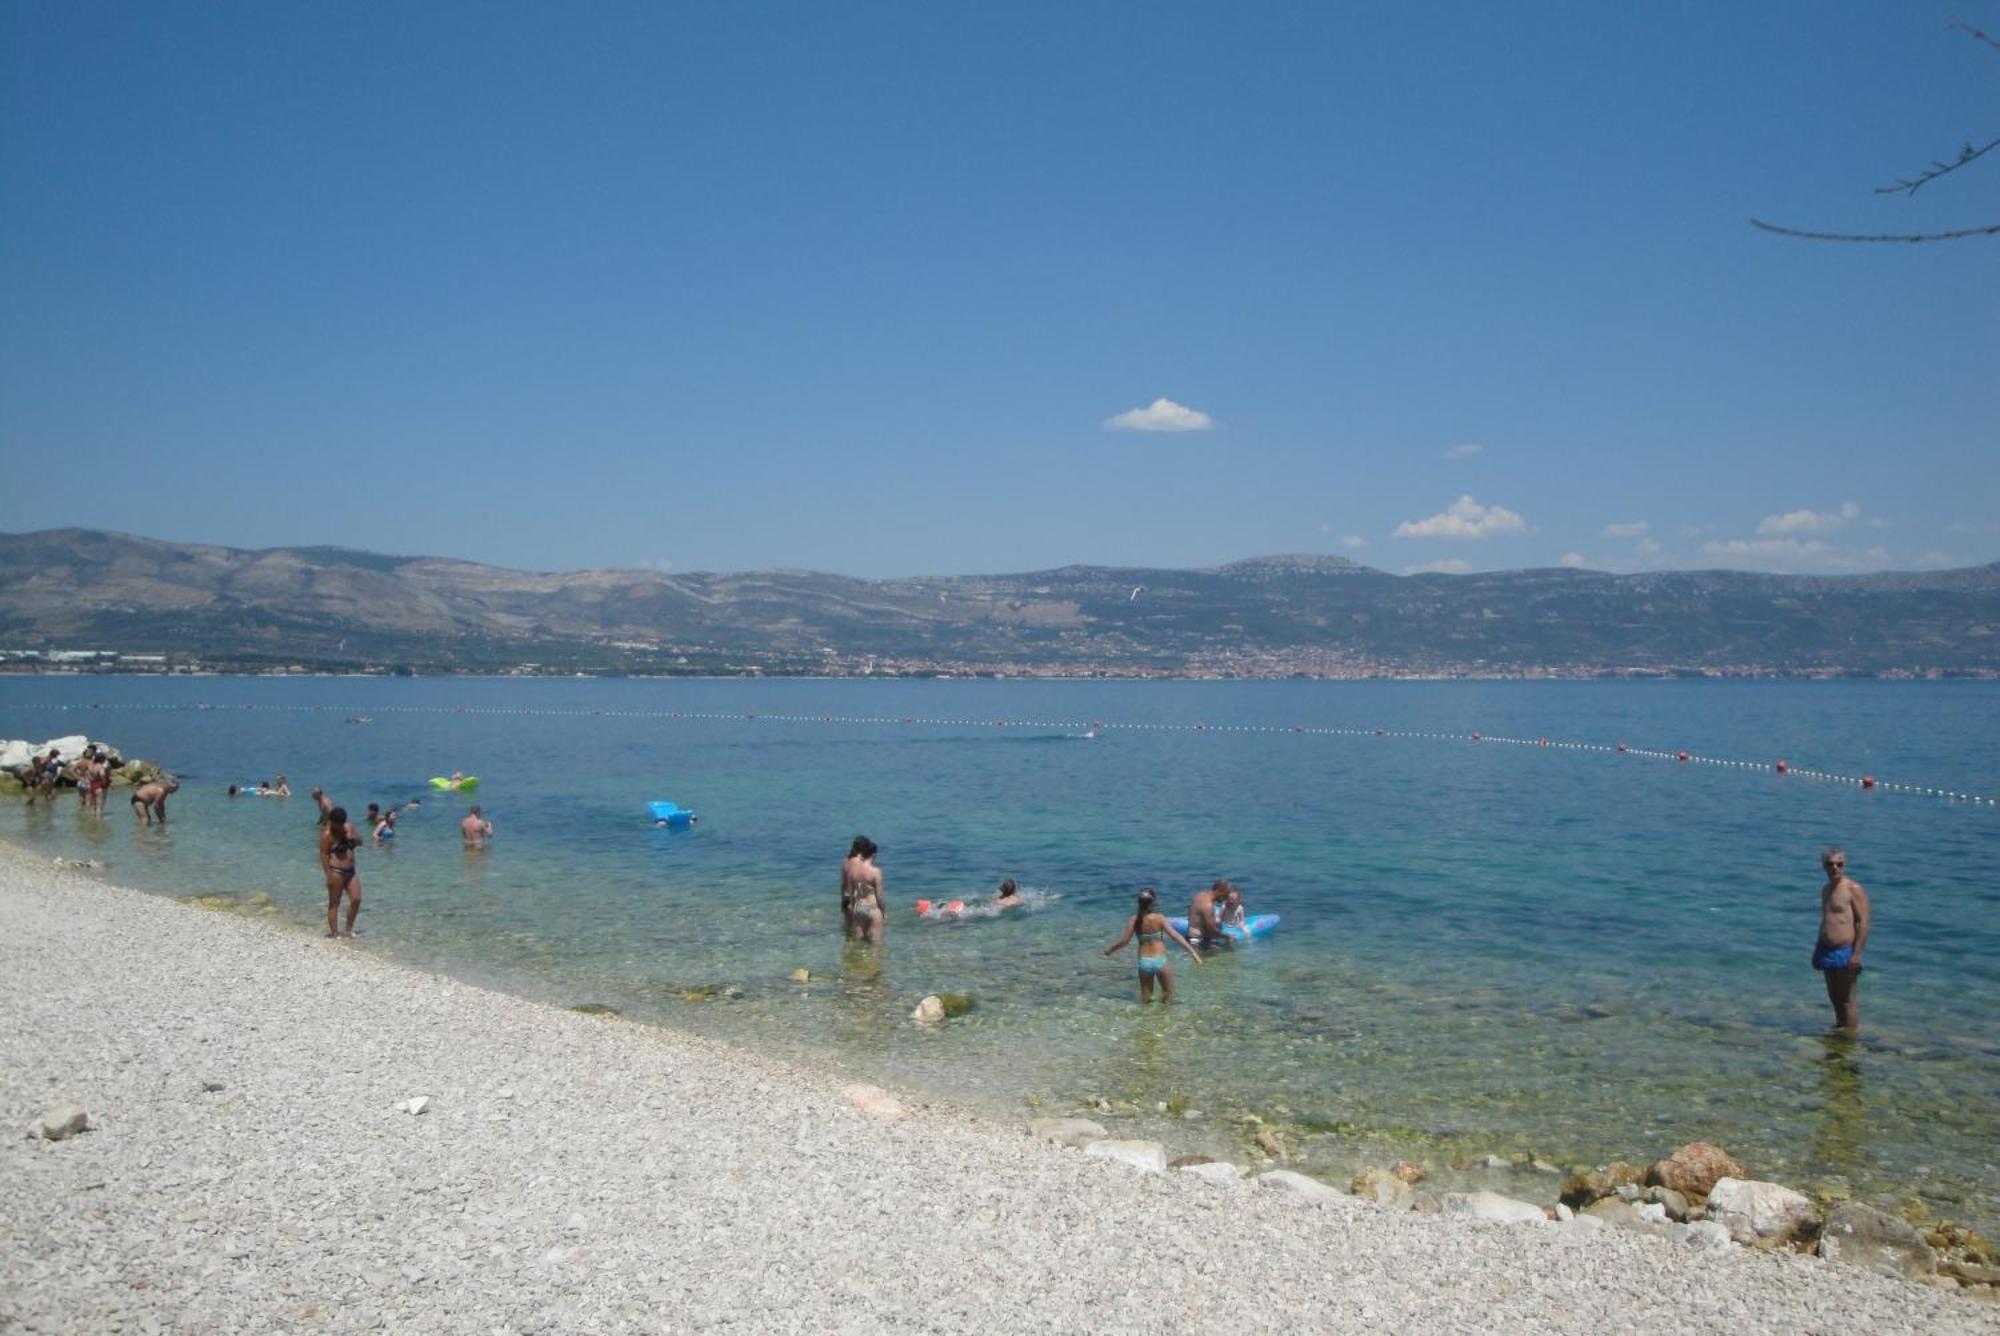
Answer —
337 842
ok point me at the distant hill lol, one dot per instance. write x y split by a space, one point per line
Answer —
331 607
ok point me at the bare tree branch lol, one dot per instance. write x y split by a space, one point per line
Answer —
1911 185
1993 230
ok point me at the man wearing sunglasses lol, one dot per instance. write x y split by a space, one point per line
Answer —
1843 931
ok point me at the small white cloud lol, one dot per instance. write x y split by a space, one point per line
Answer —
1465 451
1936 559
660 564
1802 556
1572 560
1464 518
1632 529
1160 415
1809 521
1646 547
1354 541
1695 530
1449 566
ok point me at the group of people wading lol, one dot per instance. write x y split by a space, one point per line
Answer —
866 916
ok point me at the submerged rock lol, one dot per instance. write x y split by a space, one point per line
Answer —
955 1004
1694 1168
1863 1236
1068 1131
1147 1156
930 1011
1754 1211
594 1009
1381 1186
1412 1174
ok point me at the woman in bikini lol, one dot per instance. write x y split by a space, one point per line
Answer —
1152 929
337 843
861 904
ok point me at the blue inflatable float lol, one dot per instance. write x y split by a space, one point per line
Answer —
1254 926
669 813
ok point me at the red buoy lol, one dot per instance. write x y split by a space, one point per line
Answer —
1680 756
1868 781
1783 767
1475 737
1541 742
1621 746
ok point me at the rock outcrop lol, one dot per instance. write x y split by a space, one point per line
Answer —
1756 1212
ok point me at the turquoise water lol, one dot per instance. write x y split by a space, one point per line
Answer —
1485 948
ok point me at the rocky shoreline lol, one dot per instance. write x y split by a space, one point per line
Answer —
218 1124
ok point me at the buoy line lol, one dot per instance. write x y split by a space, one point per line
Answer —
1866 782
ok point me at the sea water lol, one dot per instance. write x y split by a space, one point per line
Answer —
1486 948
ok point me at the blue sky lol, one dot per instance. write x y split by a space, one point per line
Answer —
866 288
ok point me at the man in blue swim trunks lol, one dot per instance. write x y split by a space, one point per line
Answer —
1843 931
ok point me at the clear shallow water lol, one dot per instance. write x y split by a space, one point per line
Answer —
1485 948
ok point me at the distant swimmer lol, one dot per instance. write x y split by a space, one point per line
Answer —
1844 920
1009 897
336 861
862 908
149 801
476 828
324 803
281 789
1152 929
385 826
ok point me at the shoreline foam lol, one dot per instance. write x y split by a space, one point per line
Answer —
577 1173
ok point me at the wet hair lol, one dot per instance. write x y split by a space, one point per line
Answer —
337 817
1148 898
863 847
1008 887
233 790
374 807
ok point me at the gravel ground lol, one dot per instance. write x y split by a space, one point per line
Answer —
581 1174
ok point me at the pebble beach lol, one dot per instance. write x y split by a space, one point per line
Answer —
287 1133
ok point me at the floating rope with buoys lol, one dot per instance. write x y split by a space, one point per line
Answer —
1866 782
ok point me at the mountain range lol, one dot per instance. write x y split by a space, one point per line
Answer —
336 608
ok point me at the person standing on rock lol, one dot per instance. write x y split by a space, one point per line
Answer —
862 908
149 801
1844 920
337 843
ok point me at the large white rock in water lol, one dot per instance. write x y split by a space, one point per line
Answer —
1298 1185
1149 1156
1492 1206
63 1121
14 754
930 1011
1068 1131
1751 1210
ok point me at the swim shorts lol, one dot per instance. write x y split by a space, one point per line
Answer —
1833 957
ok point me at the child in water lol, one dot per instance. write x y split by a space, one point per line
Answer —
1010 895
1152 929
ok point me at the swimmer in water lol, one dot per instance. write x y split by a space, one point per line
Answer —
1009 897
1152 929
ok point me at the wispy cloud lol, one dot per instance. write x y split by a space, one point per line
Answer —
1354 542
1801 556
1646 547
1573 560
1629 529
1465 451
660 564
1464 518
1936 559
1160 415
1449 566
1809 521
